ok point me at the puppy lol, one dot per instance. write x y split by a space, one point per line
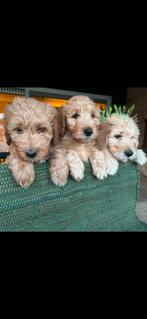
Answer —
30 131
80 120
121 140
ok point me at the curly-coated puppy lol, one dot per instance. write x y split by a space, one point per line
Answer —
121 139
80 124
30 131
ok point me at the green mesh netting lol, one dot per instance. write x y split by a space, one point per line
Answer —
89 205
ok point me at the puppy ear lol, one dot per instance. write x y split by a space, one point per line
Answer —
137 141
56 131
103 132
7 113
8 137
62 121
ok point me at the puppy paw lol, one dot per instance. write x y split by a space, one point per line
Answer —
78 172
59 178
24 178
141 158
100 173
76 166
112 167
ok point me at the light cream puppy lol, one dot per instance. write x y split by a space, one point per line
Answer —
121 140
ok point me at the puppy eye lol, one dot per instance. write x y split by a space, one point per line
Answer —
41 130
117 136
75 116
19 130
93 115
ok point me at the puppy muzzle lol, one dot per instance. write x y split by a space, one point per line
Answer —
88 131
31 153
128 153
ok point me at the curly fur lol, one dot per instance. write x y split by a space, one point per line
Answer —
30 125
75 148
121 135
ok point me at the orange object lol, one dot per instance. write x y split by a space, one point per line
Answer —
4 99
52 101
7 98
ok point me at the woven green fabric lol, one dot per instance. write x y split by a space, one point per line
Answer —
89 205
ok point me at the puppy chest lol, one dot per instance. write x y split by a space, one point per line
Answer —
83 152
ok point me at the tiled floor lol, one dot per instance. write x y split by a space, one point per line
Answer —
142 202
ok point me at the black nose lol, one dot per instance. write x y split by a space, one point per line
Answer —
88 131
128 153
31 153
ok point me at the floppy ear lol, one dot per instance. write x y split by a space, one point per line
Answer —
137 141
7 113
62 120
8 137
58 126
103 132
56 131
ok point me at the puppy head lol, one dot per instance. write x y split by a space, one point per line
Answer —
30 127
123 137
81 118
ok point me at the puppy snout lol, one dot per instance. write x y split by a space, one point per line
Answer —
88 131
31 153
128 153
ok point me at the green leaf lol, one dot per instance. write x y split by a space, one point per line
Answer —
110 109
115 108
124 109
103 112
131 109
120 109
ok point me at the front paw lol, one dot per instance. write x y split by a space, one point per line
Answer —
76 166
100 173
59 178
112 167
78 172
25 178
141 158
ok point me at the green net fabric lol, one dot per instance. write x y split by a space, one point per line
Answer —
89 205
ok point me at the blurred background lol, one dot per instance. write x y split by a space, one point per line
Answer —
102 96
